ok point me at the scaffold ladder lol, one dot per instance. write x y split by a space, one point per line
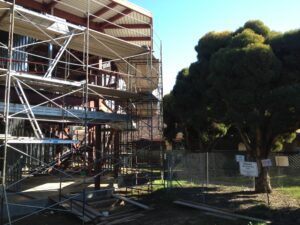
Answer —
58 56
22 96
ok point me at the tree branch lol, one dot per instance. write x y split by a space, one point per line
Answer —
245 140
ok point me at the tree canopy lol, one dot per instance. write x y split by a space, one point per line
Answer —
248 79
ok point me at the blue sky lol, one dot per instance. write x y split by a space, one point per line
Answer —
180 24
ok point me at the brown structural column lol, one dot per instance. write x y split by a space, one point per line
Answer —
98 163
116 153
91 147
98 137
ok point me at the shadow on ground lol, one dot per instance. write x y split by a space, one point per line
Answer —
242 202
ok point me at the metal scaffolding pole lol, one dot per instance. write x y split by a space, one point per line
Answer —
86 97
161 107
7 87
86 102
7 101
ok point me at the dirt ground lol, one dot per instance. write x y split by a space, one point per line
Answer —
283 209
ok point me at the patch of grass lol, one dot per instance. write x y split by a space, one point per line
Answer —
286 181
291 191
183 184
175 183
234 180
276 180
158 184
211 220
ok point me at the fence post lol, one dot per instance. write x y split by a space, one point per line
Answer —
165 171
169 168
169 171
207 169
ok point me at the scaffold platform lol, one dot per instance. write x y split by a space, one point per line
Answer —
62 115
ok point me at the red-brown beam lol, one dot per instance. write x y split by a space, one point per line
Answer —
114 18
103 10
82 21
75 19
79 20
31 4
129 26
135 38
59 13
52 4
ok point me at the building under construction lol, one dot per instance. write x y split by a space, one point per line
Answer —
80 99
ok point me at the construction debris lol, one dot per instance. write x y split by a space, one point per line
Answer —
106 210
218 212
132 202
86 214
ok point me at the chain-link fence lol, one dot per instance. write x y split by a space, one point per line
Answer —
221 168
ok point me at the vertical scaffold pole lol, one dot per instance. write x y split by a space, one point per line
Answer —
7 101
8 87
160 119
86 102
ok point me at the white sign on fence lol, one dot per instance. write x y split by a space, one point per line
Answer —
249 169
266 163
282 161
239 158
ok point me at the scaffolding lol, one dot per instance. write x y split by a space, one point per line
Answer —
81 97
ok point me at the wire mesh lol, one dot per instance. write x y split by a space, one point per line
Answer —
221 168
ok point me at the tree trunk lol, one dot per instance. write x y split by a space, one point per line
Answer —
263 181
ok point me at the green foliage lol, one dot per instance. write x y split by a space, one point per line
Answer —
258 27
191 112
242 76
287 49
169 116
286 138
245 38
248 79
254 79
212 42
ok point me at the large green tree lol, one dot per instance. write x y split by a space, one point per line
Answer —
259 89
186 110
248 79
